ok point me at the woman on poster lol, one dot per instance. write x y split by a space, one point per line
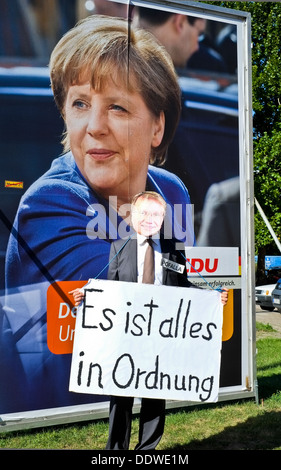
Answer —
118 94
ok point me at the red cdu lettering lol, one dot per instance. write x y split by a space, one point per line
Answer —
197 265
215 266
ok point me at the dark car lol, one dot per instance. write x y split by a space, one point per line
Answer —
30 134
276 296
206 148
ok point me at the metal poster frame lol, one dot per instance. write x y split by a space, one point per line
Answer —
248 386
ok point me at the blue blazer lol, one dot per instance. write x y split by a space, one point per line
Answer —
66 229
55 239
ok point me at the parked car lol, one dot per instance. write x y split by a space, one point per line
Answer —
276 296
264 296
30 135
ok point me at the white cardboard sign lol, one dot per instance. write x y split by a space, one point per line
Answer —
149 341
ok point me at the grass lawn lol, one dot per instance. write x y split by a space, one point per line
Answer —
241 425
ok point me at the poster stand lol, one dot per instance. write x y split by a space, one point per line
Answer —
238 379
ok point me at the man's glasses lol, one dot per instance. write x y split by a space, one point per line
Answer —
156 215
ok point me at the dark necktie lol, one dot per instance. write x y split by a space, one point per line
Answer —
148 266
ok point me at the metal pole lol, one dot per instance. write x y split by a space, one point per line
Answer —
268 225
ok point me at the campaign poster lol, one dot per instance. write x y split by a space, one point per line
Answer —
56 230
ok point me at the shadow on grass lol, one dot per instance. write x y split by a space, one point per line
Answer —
269 386
262 432
258 433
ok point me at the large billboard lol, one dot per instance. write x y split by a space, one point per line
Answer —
59 215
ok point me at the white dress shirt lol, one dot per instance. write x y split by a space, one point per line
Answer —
142 245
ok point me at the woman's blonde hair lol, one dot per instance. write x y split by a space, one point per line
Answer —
101 47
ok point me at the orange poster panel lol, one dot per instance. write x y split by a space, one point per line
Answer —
61 316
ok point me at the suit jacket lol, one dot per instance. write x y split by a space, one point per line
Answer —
123 262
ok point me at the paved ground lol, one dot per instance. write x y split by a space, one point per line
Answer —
271 318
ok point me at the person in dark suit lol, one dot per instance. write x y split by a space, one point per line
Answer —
221 215
128 262
147 215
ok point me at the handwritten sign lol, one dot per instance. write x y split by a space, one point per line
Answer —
149 341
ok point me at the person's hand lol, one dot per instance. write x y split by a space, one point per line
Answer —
224 296
78 296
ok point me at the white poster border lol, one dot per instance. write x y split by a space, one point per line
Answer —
70 414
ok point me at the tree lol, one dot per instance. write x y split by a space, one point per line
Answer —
266 81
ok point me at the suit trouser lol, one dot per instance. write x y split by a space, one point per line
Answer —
151 424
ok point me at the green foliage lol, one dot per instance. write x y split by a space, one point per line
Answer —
263 327
266 83
267 151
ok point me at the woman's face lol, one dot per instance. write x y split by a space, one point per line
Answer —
111 133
